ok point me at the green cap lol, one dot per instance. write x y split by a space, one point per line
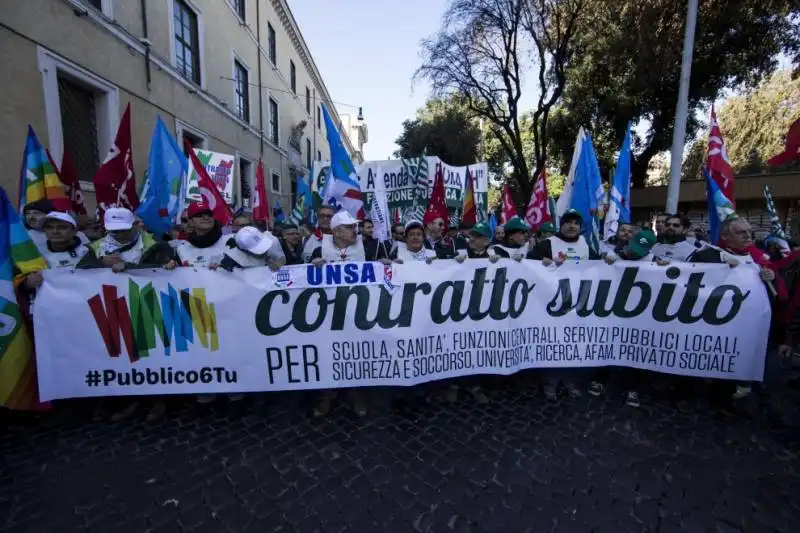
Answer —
482 229
547 227
515 224
641 243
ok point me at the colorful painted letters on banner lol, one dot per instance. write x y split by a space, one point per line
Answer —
187 331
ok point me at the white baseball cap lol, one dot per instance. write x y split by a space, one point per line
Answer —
343 218
253 241
63 217
118 219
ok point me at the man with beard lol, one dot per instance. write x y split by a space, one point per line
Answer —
341 246
636 248
398 232
324 216
736 246
566 245
291 244
444 246
125 245
515 245
624 233
367 232
672 243
659 224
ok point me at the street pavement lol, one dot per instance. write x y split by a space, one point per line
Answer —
516 464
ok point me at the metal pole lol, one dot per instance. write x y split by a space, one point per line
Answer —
681 111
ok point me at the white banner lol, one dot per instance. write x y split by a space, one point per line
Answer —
221 169
193 331
400 181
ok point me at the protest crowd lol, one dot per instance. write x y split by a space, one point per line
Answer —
208 235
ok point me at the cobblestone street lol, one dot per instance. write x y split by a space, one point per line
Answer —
515 464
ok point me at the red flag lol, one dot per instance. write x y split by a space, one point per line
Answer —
469 211
538 210
509 209
211 195
717 160
69 177
115 182
62 202
437 208
791 151
260 202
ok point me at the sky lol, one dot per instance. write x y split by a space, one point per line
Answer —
367 52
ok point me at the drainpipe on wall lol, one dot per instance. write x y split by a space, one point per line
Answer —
146 42
260 90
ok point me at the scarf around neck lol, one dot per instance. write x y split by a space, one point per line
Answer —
207 240
112 246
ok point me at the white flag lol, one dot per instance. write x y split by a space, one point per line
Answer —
566 197
379 210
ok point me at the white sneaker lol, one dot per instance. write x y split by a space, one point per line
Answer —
632 399
742 391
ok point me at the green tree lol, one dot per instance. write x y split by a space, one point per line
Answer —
626 68
753 125
485 49
755 122
445 128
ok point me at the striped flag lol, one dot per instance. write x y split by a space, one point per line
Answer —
38 178
469 207
455 218
417 169
777 227
18 387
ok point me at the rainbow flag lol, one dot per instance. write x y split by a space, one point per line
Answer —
38 178
18 254
469 211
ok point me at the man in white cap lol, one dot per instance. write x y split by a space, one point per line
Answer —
252 248
125 245
345 244
62 247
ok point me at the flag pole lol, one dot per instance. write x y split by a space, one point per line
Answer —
681 111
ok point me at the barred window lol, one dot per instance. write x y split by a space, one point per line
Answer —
242 90
293 76
239 6
79 126
273 121
187 42
272 44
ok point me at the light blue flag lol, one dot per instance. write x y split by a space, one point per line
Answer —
587 193
619 207
342 190
303 203
493 223
277 212
720 208
165 190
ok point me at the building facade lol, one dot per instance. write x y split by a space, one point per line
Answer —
231 76
750 203
356 129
